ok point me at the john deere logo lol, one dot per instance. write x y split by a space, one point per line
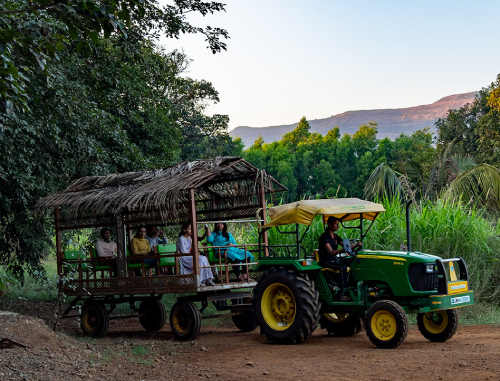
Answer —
352 207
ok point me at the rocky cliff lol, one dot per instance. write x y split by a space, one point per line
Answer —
391 122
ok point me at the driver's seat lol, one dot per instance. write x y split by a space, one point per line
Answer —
335 271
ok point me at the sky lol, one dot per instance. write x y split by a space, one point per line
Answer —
318 58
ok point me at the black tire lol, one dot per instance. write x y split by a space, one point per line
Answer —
386 324
245 322
94 319
153 314
438 326
341 324
185 320
286 306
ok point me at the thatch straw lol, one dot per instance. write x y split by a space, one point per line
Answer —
228 180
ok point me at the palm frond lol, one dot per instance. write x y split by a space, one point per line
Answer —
478 185
463 163
383 182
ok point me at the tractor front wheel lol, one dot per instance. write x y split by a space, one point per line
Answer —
286 305
438 326
341 324
386 324
185 320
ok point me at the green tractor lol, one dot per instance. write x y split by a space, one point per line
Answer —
294 294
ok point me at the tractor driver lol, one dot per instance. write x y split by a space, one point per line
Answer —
328 250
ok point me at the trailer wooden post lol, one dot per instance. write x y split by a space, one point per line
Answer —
121 245
263 205
194 237
59 253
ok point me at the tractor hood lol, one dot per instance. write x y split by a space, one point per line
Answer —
398 255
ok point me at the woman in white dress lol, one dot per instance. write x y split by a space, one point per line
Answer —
183 246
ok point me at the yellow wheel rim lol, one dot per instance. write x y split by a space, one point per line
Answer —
435 322
181 320
338 317
383 325
278 306
90 320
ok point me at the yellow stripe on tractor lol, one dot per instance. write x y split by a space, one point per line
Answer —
380 257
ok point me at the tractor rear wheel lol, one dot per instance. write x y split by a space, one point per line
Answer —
438 326
185 320
153 314
341 324
94 319
286 306
386 324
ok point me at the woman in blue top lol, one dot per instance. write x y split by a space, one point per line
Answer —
221 237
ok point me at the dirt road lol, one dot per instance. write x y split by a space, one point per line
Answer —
129 353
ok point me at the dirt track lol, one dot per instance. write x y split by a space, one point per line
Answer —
129 353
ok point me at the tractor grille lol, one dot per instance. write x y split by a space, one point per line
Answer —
420 280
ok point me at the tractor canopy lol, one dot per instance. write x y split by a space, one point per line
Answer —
304 212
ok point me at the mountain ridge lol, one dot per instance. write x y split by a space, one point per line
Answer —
391 122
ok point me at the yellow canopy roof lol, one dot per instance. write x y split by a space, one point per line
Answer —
303 212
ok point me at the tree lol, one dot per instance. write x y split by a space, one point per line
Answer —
299 134
475 128
114 106
494 95
34 32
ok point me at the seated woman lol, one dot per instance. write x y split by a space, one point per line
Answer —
140 246
221 237
183 246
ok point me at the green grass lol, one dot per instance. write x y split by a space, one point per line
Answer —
140 350
39 286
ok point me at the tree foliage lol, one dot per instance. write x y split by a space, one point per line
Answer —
312 165
113 105
33 33
475 127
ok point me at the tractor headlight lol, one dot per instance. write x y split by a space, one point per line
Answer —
430 268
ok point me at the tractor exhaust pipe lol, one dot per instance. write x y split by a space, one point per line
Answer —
408 231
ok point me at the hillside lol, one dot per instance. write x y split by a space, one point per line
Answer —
391 122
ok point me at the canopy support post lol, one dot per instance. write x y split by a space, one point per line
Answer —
263 216
121 244
59 253
194 237
361 236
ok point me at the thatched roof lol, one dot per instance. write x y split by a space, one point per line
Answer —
223 179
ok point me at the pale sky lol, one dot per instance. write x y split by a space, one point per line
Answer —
317 58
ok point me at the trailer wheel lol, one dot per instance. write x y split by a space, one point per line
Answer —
245 322
341 324
286 305
185 320
153 314
438 326
386 324
94 319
